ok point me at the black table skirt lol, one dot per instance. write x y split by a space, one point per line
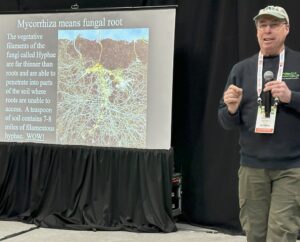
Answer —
86 188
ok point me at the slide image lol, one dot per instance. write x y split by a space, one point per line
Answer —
102 75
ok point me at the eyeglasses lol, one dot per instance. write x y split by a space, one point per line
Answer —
272 25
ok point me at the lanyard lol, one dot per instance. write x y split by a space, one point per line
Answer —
260 69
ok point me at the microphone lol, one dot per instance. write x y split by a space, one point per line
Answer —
268 76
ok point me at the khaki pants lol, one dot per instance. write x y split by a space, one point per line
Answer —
269 204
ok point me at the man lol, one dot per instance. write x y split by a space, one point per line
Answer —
262 99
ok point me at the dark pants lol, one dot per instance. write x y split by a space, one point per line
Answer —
269 204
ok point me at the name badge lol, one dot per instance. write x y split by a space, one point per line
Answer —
265 125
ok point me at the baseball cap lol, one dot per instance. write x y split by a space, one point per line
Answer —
275 11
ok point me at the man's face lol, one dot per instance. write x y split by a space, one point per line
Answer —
271 34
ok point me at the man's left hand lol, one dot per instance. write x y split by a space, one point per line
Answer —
280 90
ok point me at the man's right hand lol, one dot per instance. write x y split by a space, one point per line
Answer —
232 98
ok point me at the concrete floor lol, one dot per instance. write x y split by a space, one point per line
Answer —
20 232
12 232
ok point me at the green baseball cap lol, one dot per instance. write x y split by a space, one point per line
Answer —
275 11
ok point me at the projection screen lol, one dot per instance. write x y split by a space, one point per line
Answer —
96 78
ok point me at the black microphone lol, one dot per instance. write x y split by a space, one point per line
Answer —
268 76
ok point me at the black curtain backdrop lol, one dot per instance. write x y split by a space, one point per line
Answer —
211 36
